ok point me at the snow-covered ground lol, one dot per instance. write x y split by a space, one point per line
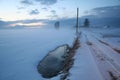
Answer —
22 49
96 59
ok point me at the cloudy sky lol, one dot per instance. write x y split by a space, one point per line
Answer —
14 10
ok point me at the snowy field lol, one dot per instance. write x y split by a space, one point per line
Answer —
22 49
98 57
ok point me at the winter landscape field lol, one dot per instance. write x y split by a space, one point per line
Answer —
59 39
98 57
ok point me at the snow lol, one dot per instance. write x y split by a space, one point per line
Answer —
94 59
22 49
84 66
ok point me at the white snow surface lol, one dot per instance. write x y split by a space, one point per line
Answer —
22 49
96 57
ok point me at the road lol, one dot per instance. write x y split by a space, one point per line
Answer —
95 59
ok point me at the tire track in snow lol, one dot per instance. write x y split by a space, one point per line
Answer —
86 40
105 43
105 60
84 67
117 50
106 57
109 68
112 51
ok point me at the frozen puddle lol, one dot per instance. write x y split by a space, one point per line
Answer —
53 62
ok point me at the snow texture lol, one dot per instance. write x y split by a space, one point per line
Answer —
98 57
22 49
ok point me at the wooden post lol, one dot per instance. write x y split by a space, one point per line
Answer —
77 21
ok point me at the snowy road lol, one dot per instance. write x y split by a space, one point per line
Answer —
95 59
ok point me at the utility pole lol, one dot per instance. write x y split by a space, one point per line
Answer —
77 21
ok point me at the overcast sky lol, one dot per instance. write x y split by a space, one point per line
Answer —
11 10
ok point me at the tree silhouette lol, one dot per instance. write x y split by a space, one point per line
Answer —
86 23
57 24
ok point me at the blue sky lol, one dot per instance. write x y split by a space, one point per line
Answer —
12 10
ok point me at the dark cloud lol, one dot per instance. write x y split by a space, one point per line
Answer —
34 12
43 2
27 2
104 16
110 11
54 16
53 11
44 8
47 2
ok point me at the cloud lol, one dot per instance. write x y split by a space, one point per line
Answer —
28 21
44 8
110 11
24 23
47 2
104 16
63 8
34 12
43 2
53 11
27 2
53 17
21 8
